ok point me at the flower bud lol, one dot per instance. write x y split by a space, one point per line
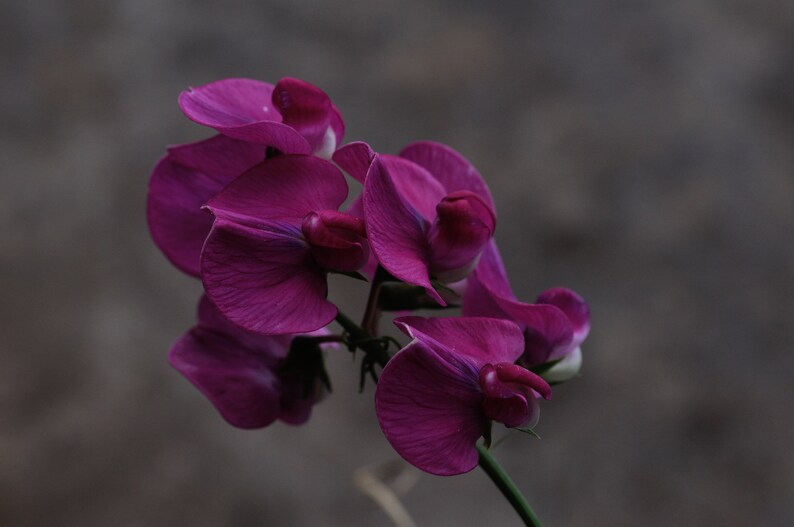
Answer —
463 225
338 240
510 392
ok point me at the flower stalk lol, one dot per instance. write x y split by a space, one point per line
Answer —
506 486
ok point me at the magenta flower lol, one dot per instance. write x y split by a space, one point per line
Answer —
244 375
277 234
437 396
554 326
293 116
428 212
182 182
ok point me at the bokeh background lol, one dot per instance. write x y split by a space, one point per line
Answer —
639 152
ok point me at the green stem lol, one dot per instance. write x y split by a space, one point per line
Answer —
507 487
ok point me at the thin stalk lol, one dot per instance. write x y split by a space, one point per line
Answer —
507 487
361 338
372 312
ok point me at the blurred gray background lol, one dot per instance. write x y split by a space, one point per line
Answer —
639 152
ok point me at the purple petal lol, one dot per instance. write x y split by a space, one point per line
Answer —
396 233
264 281
478 301
305 108
451 169
181 183
492 274
223 157
483 340
338 240
430 411
463 226
242 386
242 109
283 188
210 318
574 307
414 184
504 404
547 332
355 159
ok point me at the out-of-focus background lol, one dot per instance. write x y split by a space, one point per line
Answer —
639 152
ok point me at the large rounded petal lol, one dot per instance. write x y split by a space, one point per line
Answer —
482 340
242 109
242 386
181 183
283 189
450 168
264 281
430 410
396 232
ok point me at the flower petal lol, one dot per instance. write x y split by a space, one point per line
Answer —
491 272
242 386
223 157
242 109
430 410
264 281
451 169
414 184
396 233
547 331
283 188
210 318
463 226
181 183
355 159
304 107
574 307
482 340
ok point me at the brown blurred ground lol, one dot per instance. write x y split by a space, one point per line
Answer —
639 152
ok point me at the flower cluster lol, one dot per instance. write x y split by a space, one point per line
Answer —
257 213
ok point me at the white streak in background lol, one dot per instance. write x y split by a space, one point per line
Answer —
384 483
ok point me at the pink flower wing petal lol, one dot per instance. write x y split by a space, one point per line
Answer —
414 184
396 234
483 340
430 411
264 281
283 188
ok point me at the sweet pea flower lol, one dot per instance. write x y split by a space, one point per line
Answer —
554 326
428 212
182 182
277 233
244 375
293 116
437 396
